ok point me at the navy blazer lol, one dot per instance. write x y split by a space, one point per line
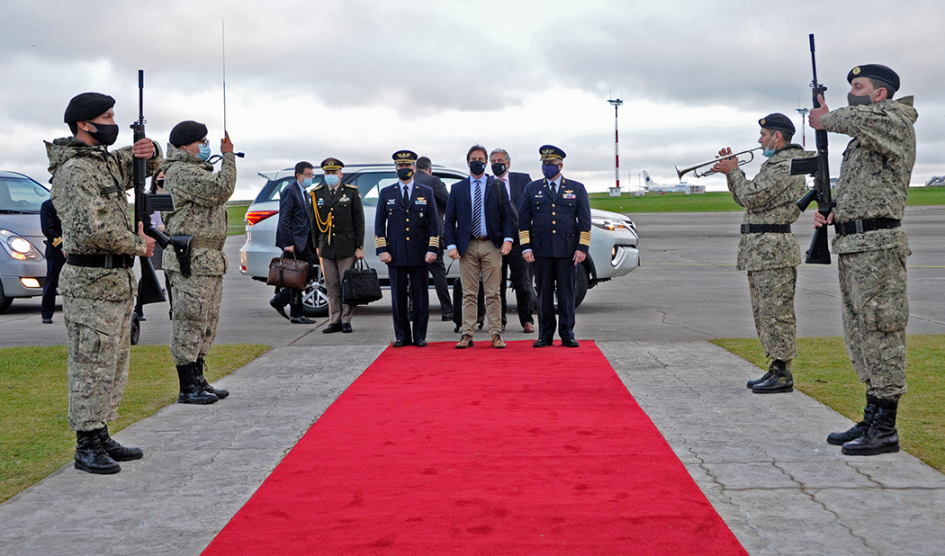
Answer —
517 183
500 220
555 225
52 229
295 219
408 232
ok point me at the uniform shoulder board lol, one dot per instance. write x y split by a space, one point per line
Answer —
319 186
351 185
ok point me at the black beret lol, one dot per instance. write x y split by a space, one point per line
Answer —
187 132
551 152
87 106
875 71
405 157
777 122
332 164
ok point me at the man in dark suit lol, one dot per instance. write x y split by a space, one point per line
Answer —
424 176
294 237
406 237
555 223
55 258
479 230
521 272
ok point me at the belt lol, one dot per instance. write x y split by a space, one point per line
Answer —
102 261
204 243
865 225
481 238
766 228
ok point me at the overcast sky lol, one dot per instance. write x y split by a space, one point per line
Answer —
359 79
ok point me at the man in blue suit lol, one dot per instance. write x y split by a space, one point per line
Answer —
479 228
294 237
406 238
513 265
555 223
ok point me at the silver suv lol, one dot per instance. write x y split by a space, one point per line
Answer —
613 250
22 244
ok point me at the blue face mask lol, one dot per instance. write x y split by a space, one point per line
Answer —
306 182
769 150
549 170
204 151
332 180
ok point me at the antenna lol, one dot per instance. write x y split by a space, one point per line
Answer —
223 28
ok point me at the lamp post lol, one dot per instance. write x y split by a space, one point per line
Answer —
803 112
616 103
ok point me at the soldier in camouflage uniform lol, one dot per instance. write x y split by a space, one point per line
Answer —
872 247
97 283
200 197
768 250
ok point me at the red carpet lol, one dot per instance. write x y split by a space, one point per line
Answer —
438 451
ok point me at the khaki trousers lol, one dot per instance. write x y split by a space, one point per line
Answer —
334 271
481 258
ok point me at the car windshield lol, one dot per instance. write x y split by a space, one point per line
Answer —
370 184
21 195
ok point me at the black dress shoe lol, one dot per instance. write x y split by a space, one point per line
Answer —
570 343
400 343
301 320
541 343
280 308
446 316
142 319
421 343
47 321
332 328
346 328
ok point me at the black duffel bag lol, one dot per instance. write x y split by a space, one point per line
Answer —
360 285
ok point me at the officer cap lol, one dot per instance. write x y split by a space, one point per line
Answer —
87 106
875 71
332 164
187 132
405 157
777 122
551 152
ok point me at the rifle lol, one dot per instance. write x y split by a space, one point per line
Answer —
149 290
816 166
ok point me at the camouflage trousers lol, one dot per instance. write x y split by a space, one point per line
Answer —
99 338
875 314
772 305
196 305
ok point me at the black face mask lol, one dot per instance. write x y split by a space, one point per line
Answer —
477 167
499 168
404 173
105 134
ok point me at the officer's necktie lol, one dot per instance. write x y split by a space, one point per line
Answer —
554 190
406 197
477 211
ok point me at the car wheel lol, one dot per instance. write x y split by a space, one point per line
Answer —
315 296
4 300
580 284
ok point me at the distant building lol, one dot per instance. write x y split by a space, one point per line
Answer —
935 181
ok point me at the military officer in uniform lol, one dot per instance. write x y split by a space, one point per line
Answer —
97 283
872 246
768 250
555 233
338 236
196 264
407 237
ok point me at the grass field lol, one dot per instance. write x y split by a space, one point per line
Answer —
234 218
823 371
35 439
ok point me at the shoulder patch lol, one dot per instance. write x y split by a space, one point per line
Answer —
352 186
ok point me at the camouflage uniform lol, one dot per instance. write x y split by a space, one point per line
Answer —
874 182
771 259
200 196
88 191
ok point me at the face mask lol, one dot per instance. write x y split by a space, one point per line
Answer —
204 151
549 170
769 150
105 134
404 174
306 182
499 168
477 167
331 180
859 100
160 183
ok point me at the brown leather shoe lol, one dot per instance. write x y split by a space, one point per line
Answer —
529 328
497 341
465 342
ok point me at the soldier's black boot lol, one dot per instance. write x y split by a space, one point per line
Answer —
115 450
781 380
882 436
764 377
202 382
90 456
190 391
857 430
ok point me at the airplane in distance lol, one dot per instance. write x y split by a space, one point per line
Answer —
651 186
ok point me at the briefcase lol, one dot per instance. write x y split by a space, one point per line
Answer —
360 285
288 273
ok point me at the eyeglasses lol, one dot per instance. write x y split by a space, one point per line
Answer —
205 142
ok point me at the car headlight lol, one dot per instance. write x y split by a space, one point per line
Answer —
613 225
17 246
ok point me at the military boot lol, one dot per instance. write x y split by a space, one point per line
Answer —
857 430
202 382
115 450
882 436
90 456
190 391
764 377
781 380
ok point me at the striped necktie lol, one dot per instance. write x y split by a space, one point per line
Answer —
477 211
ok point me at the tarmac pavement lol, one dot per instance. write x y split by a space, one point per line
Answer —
762 461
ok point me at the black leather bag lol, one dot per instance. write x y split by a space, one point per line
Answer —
288 273
360 285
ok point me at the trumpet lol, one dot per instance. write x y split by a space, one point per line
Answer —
695 169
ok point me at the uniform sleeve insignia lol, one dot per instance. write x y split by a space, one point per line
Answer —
435 241
380 241
524 237
585 238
